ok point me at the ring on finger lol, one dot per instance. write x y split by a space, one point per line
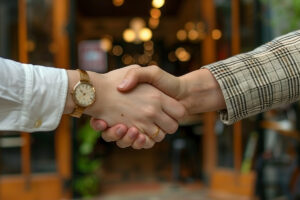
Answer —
156 133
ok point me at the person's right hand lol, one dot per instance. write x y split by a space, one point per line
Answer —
145 107
198 91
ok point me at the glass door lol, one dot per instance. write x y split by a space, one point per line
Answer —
35 165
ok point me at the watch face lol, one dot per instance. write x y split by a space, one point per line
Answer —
84 94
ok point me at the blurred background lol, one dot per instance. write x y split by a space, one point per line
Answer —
257 158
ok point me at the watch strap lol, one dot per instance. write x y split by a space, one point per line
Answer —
84 77
78 110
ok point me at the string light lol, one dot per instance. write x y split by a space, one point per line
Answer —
153 23
117 50
182 54
106 44
158 3
129 35
118 3
216 34
137 31
145 34
155 13
181 35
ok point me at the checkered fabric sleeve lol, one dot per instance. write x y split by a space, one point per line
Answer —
262 79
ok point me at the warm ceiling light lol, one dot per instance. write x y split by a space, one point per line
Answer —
189 26
148 46
137 23
182 54
153 23
181 35
143 59
155 13
117 50
129 35
127 59
106 44
145 34
118 2
216 34
193 34
158 3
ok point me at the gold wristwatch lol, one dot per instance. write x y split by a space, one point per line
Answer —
83 94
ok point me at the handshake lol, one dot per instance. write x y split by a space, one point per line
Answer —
137 106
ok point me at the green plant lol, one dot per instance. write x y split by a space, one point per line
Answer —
87 183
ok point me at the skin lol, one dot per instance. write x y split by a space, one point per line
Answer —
197 91
144 108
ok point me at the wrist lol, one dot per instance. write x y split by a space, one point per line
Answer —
98 81
73 78
201 92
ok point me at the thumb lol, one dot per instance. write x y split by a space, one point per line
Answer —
153 75
98 124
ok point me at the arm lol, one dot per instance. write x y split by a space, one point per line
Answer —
244 85
33 98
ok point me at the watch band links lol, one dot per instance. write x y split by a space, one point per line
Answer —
84 77
77 112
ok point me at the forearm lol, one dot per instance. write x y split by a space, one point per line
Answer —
201 92
260 80
31 97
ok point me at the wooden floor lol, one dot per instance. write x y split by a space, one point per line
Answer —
162 191
127 174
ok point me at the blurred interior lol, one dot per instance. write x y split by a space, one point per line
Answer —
256 158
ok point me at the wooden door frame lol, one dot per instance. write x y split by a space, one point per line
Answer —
46 186
238 184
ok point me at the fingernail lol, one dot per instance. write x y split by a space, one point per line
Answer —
99 126
132 134
120 131
123 84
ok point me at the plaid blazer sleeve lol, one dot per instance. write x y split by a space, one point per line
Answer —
262 79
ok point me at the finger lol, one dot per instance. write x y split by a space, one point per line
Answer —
128 138
154 133
149 143
114 133
172 107
166 124
158 136
98 124
140 141
162 80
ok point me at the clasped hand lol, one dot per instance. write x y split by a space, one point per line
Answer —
132 112
149 113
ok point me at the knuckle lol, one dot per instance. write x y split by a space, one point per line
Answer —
150 111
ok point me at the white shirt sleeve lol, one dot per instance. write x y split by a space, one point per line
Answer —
32 98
